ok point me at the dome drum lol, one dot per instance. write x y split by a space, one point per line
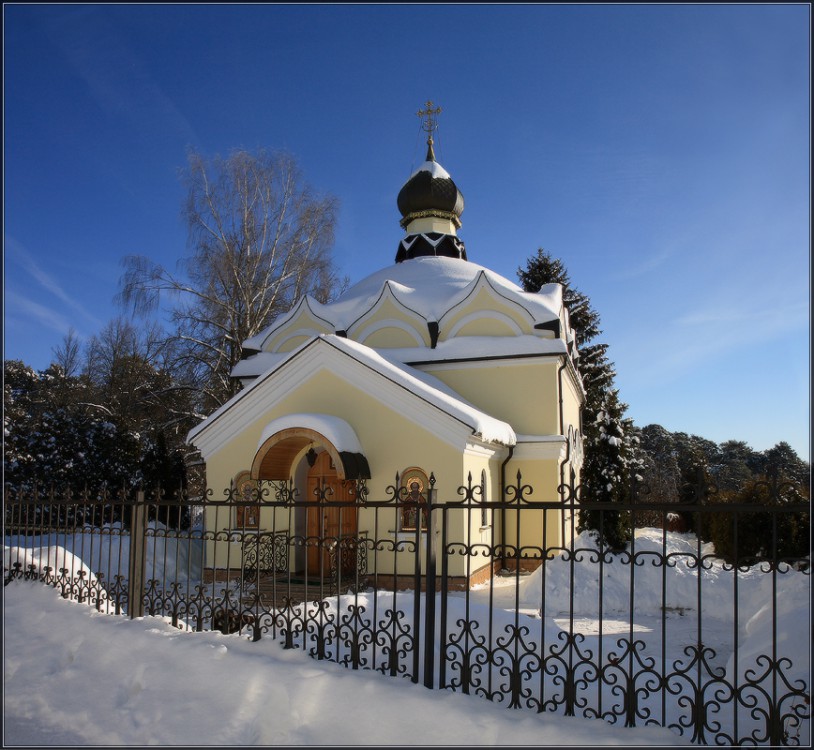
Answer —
430 244
449 216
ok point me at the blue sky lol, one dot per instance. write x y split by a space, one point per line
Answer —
661 151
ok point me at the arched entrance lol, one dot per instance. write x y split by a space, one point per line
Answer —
332 523
322 456
285 440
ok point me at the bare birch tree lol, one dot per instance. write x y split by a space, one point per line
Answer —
259 238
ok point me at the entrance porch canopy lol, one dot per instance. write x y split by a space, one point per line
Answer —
285 438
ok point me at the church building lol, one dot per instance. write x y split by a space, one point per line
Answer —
434 366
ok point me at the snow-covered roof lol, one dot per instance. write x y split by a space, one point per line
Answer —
425 387
431 286
431 389
337 431
479 347
463 348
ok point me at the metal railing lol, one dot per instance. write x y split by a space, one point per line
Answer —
663 632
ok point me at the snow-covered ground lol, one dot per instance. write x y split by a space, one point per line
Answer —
77 676
73 676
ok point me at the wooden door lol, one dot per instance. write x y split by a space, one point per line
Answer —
327 524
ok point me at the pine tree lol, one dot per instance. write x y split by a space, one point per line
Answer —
608 438
783 462
608 448
659 457
543 269
689 468
736 466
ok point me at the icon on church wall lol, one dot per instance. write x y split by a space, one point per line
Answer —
413 499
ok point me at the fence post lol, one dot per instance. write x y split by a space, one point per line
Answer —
136 563
429 609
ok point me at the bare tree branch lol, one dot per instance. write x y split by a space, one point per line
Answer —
259 239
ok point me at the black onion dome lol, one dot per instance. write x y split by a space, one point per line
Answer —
430 192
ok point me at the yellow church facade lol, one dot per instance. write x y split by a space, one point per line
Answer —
434 369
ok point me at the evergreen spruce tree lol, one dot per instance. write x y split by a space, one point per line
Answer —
608 438
543 269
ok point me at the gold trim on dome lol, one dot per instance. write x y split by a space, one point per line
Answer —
429 213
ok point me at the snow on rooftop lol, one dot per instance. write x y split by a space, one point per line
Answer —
434 168
436 284
429 388
456 349
337 431
430 286
257 364
478 347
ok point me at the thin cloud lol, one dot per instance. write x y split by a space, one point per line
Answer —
645 267
115 76
24 259
695 340
16 306
759 321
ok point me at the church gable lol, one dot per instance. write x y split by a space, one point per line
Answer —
293 329
303 381
390 323
485 311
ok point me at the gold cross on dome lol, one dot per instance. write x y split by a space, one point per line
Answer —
431 123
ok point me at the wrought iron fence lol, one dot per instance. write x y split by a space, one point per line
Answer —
503 598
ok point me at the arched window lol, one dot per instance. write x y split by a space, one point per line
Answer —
413 499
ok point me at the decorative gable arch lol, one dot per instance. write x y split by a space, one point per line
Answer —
292 339
392 333
296 326
498 314
485 323
390 318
